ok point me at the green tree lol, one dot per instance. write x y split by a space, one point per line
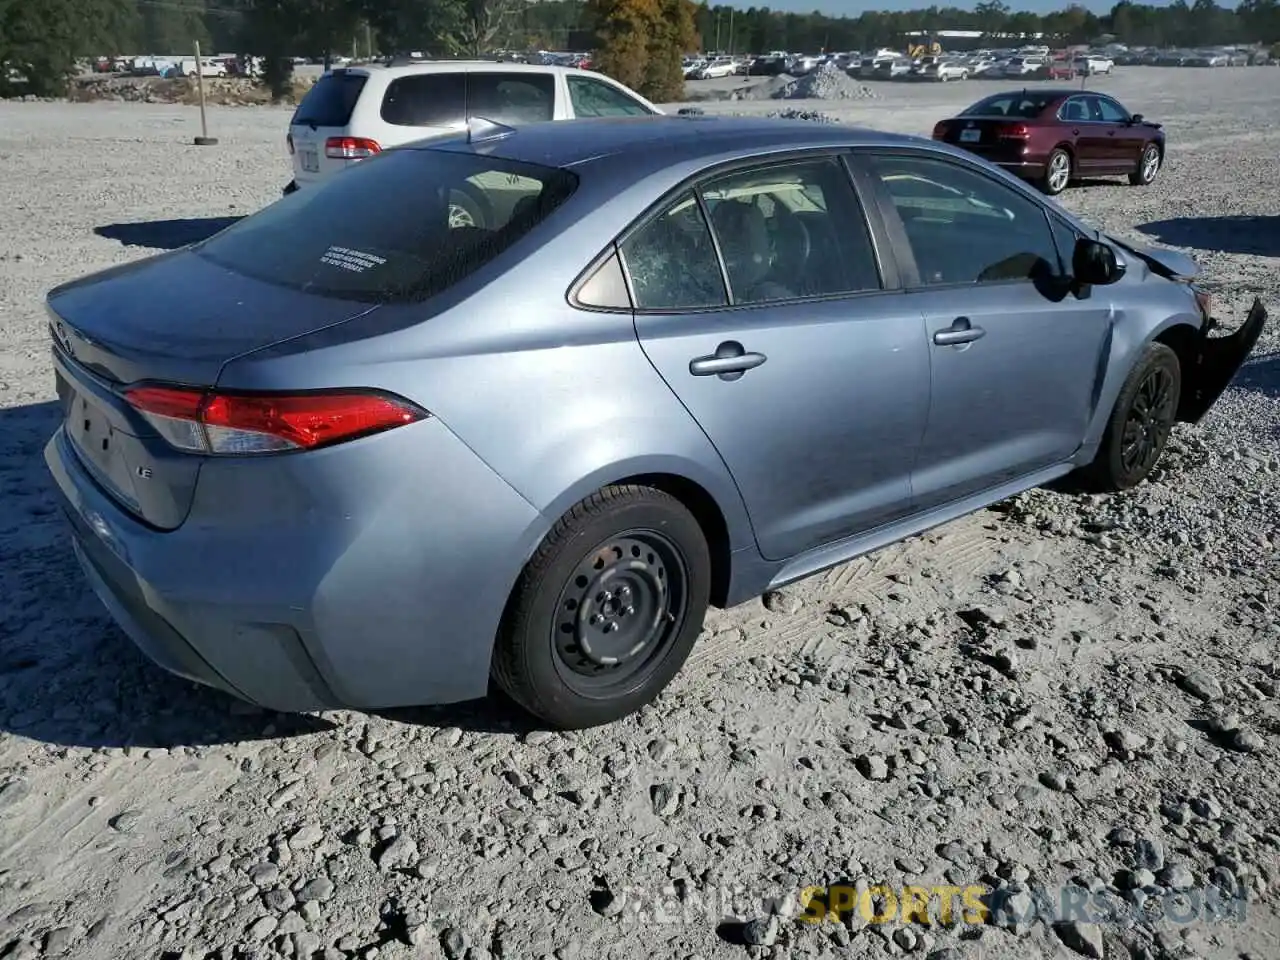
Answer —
41 39
622 38
674 35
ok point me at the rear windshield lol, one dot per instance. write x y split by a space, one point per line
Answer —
329 103
404 225
1026 104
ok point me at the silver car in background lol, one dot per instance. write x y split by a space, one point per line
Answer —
352 453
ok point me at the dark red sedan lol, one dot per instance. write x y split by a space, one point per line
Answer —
1052 137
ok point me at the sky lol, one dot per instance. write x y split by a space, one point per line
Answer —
837 8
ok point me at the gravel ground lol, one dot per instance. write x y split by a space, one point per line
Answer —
1057 693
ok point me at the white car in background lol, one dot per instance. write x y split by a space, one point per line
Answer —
354 113
715 69
1025 66
1092 66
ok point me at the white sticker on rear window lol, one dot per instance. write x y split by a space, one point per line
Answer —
354 260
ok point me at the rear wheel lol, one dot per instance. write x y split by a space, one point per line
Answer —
1057 172
607 610
468 209
1140 422
1148 166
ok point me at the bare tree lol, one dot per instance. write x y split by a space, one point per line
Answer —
481 23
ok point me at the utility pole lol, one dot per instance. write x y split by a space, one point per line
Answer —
731 9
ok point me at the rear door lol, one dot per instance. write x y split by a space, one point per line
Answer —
808 370
420 105
511 97
1015 359
324 112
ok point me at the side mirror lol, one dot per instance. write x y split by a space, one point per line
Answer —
1136 118
1095 263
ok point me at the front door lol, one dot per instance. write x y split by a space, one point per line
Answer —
808 375
1015 358
1126 140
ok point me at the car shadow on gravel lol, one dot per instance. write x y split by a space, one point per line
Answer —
1262 376
1256 236
165 234
494 714
68 676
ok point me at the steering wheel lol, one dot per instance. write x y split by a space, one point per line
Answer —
792 242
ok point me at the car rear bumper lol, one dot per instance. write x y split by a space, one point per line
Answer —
316 584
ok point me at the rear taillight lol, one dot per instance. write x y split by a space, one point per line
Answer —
211 422
350 148
1015 131
288 142
940 130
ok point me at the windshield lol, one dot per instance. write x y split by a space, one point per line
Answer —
405 225
330 101
1024 104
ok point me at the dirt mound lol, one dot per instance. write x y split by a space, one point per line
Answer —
828 82
765 89
221 91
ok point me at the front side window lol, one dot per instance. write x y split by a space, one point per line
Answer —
404 225
1108 111
591 98
511 98
791 230
964 227
672 261
426 100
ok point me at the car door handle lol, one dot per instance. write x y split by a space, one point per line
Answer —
960 332
1075 132
730 361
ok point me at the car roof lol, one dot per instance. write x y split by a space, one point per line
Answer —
458 66
653 142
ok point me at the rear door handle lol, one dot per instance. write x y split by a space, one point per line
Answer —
730 361
960 332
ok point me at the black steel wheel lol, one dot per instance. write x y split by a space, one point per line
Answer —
607 610
619 611
1140 422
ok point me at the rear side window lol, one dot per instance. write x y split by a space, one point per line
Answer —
425 100
405 225
672 261
329 103
511 97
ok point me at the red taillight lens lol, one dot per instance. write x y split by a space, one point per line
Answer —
288 142
350 148
209 422
1015 131
939 131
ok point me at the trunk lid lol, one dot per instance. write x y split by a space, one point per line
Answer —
176 318
996 138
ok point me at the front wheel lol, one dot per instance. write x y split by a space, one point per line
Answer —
1057 172
606 612
1140 422
1148 166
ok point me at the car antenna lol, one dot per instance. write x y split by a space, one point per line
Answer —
479 130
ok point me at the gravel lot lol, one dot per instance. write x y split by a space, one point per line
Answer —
1059 690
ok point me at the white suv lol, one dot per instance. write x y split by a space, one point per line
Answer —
353 113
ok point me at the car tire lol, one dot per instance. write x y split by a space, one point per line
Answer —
1140 423
468 208
1054 181
624 575
1149 165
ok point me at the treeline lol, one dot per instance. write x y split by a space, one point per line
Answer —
639 41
